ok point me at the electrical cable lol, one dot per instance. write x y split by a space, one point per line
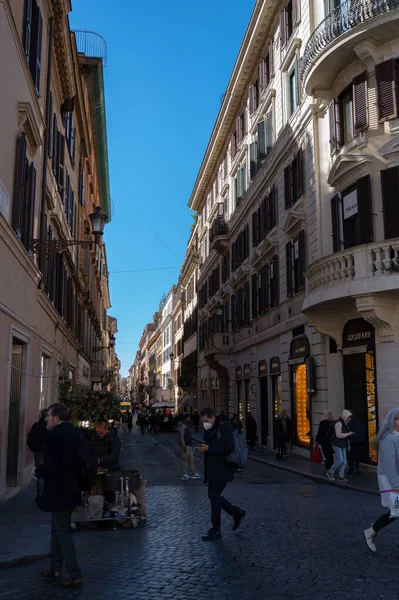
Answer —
145 270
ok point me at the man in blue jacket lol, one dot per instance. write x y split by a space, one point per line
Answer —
219 442
60 471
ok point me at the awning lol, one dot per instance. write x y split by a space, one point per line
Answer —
162 405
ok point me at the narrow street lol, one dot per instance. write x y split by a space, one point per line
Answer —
299 540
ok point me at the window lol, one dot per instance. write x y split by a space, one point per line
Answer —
226 267
240 307
254 97
387 76
68 119
44 398
33 33
203 295
293 180
239 133
214 282
265 136
265 288
349 114
351 216
265 218
330 5
288 20
295 264
240 249
24 196
266 69
241 183
69 205
390 196
293 95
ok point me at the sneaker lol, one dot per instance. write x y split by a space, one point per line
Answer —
238 518
369 536
342 480
329 475
185 477
196 476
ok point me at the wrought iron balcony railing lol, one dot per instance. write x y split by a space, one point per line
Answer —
219 227
344 17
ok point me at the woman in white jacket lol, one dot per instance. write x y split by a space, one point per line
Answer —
387 445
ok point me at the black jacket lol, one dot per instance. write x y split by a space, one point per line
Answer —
321 437
37 436
60 469
108 449
221 442
358 427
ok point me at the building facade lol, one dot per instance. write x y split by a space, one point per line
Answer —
53 174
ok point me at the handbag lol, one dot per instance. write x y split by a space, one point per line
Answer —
316 455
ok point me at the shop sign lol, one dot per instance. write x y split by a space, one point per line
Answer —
238 373
275 366
358 333
350 204
299 347
247 371
262 368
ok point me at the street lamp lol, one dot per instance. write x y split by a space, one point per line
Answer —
98 220
111 345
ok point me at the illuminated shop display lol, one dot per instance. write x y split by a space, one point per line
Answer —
301 404
371 404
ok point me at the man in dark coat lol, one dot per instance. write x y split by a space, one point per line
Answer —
219 442
356 444
251 429
60 471
107 447
196 420
36 442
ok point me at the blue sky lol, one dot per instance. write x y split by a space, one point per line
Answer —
167 68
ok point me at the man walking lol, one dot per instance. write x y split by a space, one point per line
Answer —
251 429
186 449
196 420
36 442
60 471
219 442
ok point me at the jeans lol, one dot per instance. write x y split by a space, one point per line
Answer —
40 482
218 503
187 461
340 461
62 545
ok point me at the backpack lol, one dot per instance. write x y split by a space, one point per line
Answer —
87 465
238 458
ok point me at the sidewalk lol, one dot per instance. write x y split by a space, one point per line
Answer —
24 530
366 482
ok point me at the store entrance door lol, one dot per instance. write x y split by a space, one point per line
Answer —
264 410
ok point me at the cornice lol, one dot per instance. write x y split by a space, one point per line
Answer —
62 47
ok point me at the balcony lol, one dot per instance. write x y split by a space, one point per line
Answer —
361 270
217 343
218 236
331 47
100 374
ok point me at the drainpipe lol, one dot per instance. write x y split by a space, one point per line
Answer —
43 232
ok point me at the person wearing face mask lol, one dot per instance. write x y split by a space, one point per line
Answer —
219 442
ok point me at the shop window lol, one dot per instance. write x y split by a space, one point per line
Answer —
351 216
348 115
302 433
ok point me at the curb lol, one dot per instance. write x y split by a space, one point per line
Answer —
22 561
316 478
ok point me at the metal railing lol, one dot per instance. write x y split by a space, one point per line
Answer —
344 17
91 44
219 227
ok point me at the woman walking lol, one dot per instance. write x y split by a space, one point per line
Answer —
387 444
322 439
339 442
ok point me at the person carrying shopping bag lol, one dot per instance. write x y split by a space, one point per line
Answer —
387 445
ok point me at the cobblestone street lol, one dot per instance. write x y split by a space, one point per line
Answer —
299 540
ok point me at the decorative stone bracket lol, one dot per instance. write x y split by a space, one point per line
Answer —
380 311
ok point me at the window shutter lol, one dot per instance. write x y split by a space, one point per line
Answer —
30 210
243 179
19 186
272 208
251 99
72 139
338 127
233 312
253 153
55 146
365 210
333 138
82 187
289 265
287 186
238 131
255 228
294 13
27 27
276 280
302 260
386 90
267 287
39 52
299 173
50 127
271 59
262 140
390 201
269 132
283 34
335 222
261 76
360 103
61 165
72 212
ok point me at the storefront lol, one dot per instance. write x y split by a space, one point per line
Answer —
239 391
360 379
264 405
247 390
275 374
299 352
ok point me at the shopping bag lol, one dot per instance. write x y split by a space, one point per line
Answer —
391 501
316 455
